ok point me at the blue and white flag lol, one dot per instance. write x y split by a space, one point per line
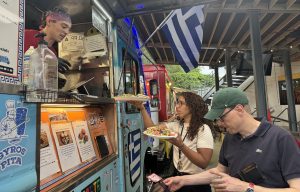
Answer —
184 32
134 154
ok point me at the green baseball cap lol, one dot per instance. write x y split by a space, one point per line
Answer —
225 98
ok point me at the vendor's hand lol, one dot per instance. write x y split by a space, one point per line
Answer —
61 80
225 183
174 183
63 65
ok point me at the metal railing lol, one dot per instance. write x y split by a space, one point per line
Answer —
278 116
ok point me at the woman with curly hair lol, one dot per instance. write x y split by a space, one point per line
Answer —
193 146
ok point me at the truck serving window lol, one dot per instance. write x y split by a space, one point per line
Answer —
131 79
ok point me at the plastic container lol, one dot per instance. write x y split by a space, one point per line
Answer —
26 65
43 74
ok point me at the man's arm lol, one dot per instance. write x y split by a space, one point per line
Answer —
294 186
175 183
204 177
224 182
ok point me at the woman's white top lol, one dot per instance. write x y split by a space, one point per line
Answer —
204 139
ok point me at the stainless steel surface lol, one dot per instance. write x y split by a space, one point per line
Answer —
11 89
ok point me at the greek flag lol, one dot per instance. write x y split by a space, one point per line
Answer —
134 150
184 32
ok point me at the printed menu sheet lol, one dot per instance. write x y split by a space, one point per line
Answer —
48 159
83 139
66 145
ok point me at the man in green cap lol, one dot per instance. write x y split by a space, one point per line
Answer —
255 156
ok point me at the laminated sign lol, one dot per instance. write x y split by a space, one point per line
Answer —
11 47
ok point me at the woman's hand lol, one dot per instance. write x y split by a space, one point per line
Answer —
177 141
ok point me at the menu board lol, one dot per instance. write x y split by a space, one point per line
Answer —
11 48
48 160
65 145
71 139
83 140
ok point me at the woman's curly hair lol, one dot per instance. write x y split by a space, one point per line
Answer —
198 108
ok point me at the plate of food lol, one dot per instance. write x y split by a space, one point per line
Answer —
160 132
130 97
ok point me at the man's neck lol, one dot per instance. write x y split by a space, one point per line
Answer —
249 127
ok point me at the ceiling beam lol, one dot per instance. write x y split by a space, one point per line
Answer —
223 34
256 3
159 36
239 3
148 33
279 28
203 57
165 62
284 34
173 56
272 3
233 47
161 7
270 23
290 3
214 29
291 10
247 34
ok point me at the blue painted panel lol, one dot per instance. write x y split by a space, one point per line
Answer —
135 143
109 180
17 144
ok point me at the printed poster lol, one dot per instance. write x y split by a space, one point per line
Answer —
11 38
48 160
66 145
83 139
17 144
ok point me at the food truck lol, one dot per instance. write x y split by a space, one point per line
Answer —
85 137
159 89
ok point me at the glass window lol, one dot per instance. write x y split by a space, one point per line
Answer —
131 79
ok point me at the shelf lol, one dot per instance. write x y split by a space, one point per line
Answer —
59 97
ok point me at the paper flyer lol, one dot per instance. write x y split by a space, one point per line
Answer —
48 161
66 146
83 139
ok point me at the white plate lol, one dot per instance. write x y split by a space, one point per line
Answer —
131 98
160 136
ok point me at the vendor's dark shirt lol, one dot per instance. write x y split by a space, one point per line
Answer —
273 149
31 40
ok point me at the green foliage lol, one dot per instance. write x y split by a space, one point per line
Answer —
191 80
